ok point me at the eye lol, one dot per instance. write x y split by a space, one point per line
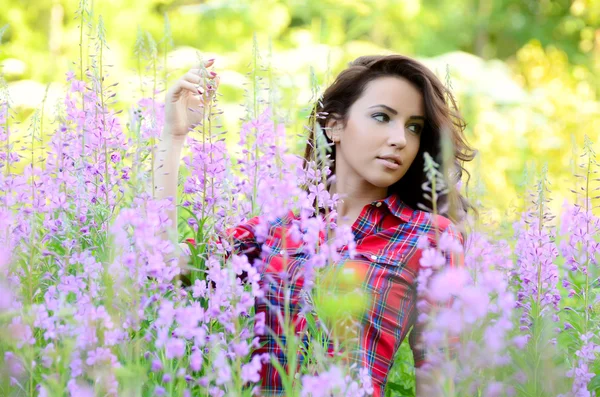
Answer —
416 128
381 117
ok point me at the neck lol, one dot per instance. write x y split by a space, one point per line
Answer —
354 195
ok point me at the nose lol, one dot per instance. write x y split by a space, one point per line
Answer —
397 137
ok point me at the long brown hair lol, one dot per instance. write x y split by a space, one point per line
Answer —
443 121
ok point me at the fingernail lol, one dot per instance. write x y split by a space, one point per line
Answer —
211 59
200 91
212 74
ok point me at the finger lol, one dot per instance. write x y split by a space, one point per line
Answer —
191 87
198 71
209 74
192 78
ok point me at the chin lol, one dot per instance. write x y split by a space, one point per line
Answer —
383 182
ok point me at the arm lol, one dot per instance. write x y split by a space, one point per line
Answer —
166 170
423 384
167 157
425 379
184 104
241 241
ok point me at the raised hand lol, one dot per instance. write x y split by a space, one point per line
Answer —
187 99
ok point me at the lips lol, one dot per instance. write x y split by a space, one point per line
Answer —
392 159
389 163
389 160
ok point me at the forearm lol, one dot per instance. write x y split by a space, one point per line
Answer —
419 384
426 385
167 157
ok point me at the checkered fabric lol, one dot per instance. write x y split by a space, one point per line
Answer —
386 235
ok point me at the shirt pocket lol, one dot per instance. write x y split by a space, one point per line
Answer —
290 260
389 266
395 258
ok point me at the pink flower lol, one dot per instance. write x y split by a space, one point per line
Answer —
520 341
448 283
196 360
494 389
475 303
174 348
199 289
448 243
77 86
251 371
259 325
432 258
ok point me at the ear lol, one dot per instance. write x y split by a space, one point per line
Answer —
334 128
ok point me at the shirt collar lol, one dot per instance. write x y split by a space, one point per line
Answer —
398 208
394 205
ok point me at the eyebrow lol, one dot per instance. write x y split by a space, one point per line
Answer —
395 112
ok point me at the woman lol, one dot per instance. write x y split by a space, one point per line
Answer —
380 116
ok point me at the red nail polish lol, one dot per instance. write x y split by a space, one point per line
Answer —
212 74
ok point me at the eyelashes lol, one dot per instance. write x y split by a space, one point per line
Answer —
382 118
418 130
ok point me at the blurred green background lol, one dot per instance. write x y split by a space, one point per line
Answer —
526 73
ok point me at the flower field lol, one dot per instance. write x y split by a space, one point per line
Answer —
93 301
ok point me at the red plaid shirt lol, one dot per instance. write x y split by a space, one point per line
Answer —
386 235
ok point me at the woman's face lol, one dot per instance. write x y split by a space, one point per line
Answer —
382 136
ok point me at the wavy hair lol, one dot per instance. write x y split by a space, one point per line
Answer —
443 123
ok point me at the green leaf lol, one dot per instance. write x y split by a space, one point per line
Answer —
594 383
396 387
285 380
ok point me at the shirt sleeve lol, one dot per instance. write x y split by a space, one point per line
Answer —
453 259
242 238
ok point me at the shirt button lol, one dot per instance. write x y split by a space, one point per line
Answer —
378 204
374 257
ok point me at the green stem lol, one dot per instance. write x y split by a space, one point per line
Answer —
6 128
255 89
152 139
81 76
587 227
33 163
106 176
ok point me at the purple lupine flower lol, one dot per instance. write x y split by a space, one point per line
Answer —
537 274
432 258
156 365
259 325
79 390
199 289
222 368
453 281
251 371
335 382
469 306
581 373
174 348
196 360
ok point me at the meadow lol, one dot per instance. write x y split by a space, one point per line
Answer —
93 303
